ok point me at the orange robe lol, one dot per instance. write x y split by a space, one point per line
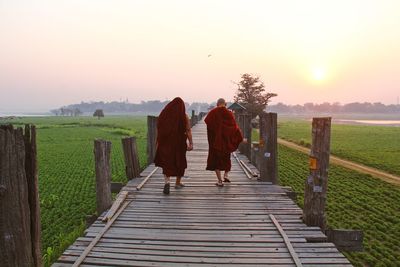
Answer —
171 139
224 137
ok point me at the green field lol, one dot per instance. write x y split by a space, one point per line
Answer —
66 171
355 201
374 146
67 184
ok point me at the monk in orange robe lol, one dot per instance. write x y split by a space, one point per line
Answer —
224 137
173 132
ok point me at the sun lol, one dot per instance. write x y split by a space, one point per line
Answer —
318 73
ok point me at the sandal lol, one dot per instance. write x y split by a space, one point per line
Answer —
219 184
166 189
226 180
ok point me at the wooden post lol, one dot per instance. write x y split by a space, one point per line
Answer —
31 170
245 126
239 121
255 154
317 182
102 152
269 147
131 156
17 246
151 138
193 119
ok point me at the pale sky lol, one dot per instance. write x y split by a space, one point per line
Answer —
54 53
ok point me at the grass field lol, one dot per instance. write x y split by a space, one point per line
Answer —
374 146
66 171
355 201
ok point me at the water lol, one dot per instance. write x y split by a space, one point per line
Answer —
372 122
24 115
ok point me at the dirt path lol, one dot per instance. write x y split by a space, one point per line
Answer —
390 178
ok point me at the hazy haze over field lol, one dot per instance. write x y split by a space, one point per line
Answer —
54 53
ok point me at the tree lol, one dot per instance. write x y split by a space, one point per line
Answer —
251 94
98 113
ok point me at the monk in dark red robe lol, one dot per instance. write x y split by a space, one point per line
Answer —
224 137
173 131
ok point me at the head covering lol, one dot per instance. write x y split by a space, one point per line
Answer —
171 121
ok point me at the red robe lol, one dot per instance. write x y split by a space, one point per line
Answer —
171 139
224 137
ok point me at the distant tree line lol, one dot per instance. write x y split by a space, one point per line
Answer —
154 106
73 112
326 107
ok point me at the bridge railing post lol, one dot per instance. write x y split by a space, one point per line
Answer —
269 147
193 118
131 157
254 157
317 182
20 231
151 138
246 128
102 155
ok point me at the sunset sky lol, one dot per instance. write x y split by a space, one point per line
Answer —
54 53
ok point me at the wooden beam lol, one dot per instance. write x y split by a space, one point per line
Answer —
289 246
254 157
247 131
317 182
114 208
15 227
131 157
31 170
116 187
193 119
87 250
249 175
345 239
102 154
269 147
146 179
151 138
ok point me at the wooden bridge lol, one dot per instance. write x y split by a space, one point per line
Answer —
245 223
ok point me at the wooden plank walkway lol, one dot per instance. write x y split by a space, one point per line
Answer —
203 225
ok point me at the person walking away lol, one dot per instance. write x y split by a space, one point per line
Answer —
224 137
173 132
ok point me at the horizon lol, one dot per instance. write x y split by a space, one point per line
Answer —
45 112
58 53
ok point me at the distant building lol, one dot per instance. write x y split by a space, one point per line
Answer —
237 108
